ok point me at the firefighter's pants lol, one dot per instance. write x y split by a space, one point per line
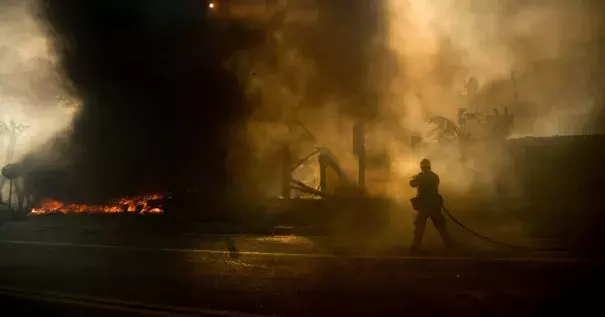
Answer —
439 222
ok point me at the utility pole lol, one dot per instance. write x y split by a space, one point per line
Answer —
286 171
323 169
360 151
515 90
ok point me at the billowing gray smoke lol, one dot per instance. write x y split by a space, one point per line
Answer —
31 91
546 53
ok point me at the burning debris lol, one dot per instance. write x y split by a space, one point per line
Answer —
139 204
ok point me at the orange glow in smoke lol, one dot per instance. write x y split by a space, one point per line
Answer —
138 204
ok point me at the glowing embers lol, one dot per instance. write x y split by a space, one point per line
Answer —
138 204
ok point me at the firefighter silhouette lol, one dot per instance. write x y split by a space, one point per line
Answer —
428 202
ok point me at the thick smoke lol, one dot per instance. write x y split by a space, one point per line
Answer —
157 105
313 68
152 84
36 109
550 48
397 63
31 91
540 59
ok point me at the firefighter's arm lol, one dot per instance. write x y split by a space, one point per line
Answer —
414 182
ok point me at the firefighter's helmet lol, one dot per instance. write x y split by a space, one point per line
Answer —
425 163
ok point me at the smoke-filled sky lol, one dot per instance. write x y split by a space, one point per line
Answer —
170 96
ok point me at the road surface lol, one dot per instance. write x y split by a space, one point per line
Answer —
93 272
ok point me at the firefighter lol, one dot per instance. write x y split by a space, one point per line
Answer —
428 202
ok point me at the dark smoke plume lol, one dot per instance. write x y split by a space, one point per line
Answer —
157 106
314 67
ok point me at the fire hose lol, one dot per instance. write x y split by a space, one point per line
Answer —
493 241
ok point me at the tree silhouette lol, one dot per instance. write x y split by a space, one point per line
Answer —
12 130
445 130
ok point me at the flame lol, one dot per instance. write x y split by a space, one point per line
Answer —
137 204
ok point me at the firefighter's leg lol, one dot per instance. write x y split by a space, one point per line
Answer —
419 226
439 222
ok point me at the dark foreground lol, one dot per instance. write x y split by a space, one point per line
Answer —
88 273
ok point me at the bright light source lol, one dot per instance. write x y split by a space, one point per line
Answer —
211 5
